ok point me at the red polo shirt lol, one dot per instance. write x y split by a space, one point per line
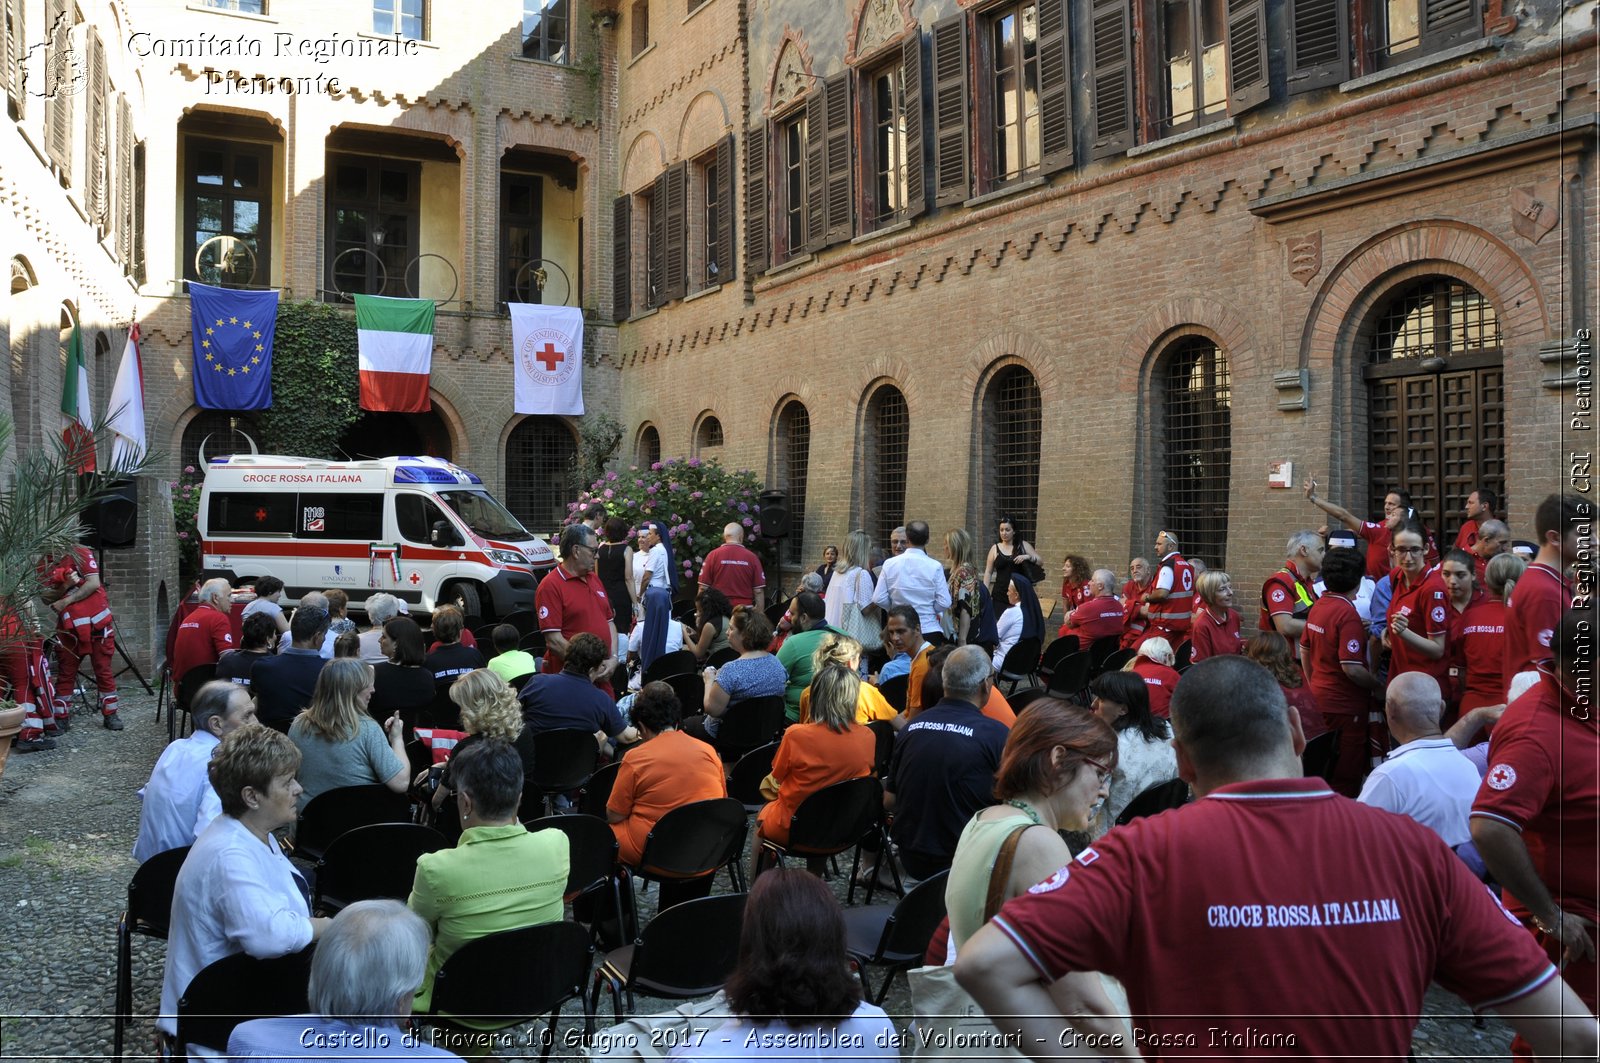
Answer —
1537 602
735 571
1159 683
1333 636
1340 939
570 606
203 635
1426 605
1210 637
1377 537
1467 536
1287 593
1094 619
1479 648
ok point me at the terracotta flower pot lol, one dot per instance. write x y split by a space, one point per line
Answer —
10 723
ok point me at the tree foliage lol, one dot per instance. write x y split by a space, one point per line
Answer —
316 386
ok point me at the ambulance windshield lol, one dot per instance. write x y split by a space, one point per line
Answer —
485 516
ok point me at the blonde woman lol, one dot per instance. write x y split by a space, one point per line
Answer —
965 602
850 582
829 749
845 652
489 710
340 745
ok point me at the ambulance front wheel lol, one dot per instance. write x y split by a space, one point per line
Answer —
463 596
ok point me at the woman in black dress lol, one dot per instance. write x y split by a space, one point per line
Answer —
614 566
1004 555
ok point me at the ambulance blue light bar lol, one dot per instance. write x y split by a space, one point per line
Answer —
420 474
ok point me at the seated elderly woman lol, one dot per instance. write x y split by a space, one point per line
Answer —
666 770
237 892
381 608
499 876
793 979
831 748
340 745
363 976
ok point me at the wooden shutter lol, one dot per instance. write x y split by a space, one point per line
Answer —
1111 47
7 14
655 277
911 88
839 192
675 233
1055 88
1248 85
1319 44
1450 22
17 12
727 269
757 245
58 91
621 258
97 190
122 217
815 168
952 164
139 181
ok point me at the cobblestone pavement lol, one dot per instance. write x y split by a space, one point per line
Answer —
67 824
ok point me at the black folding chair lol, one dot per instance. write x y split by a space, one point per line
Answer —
690 688
1182 654
1174 793
749 723
512 977
1100 649
678 662
691 842
686 951
148 914
744 782
239 988
591 858
596 793
829 821
883 737
441 711
1071 677
894 691
563 761
1020 662
195 678
1021 699
1115 660
1317 760
333 812
722 657
1055 653
894 936
375 861
517 682
524 621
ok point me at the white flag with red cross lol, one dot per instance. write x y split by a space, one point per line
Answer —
547 358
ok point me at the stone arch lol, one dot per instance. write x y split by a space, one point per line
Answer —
791 77
23 276
890 369
1011 347
1199 314
705 121
446 397
702 422
874 26
277 121
645 157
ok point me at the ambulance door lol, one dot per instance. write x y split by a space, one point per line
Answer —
336 531
250 533
424 568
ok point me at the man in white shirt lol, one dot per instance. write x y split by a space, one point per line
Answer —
178 801
1425 777
914 579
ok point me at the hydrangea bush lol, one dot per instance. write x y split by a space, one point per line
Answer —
185 518
691 497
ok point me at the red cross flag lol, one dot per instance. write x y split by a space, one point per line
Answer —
547 357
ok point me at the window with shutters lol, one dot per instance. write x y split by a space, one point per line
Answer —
97 182
227 212
540 452
521 237
1011 55
713 261
792 453
639 24
1013 425
406 19
13 46
890 98
374 224
1197 446
1110 128
545 31
124 183
887 448
1318 53
1021 105
138 212
1408 29
1194 63
789 186
648 450
829 189
61 85
647 222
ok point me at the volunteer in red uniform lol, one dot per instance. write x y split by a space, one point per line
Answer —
1419 610
25 679
1333 656
1077 582
1481 648
1287 594
1168 602
1480 509
1396 508
1215 630
206 633
1342 914
1537 814
1153 664
1494 539
1543 593
735 570
1098 617
1456 572
571 600
83 630
1133 622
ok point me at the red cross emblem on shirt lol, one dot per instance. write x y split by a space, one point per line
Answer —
414 579
549 357
1501 777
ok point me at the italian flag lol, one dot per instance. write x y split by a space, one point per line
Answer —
396 348
76 408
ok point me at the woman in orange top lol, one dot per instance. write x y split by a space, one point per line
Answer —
831 748
665 770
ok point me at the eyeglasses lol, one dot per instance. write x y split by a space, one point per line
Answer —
1408 550
1105 772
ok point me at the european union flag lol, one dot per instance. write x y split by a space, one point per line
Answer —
232 346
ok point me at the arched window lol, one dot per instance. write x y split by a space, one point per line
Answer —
887 440
708 437
792 450
539 457
1435 398
219 433
648 452
1012 424
1197 430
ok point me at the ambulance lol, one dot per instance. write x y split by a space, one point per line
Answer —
419 528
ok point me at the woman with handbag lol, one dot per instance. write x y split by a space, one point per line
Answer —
1011 553
847 599
1054 773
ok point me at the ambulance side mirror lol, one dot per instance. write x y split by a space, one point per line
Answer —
444 536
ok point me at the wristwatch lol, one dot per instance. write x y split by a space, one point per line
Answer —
1546 928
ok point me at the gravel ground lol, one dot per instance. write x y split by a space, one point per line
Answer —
67 823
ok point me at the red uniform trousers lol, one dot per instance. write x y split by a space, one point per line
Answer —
25 678
85 630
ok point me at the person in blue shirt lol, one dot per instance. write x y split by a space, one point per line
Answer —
569 699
